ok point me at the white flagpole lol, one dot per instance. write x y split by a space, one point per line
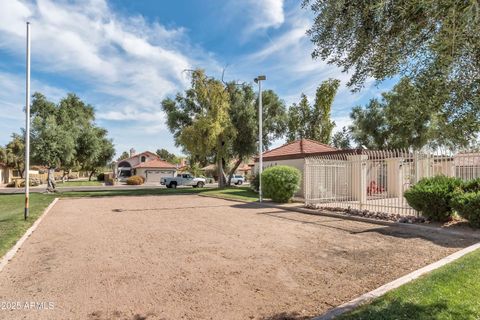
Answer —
27 128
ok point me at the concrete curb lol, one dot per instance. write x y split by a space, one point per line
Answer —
11 253
351 305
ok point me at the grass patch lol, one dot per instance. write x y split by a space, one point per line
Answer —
451 292
239 193
79 183
12 224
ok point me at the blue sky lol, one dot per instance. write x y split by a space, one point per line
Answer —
123 57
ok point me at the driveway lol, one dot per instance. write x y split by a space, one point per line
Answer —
192 257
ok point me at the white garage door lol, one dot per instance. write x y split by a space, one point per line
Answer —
156 175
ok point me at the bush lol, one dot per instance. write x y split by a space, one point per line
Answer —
101 177
467 205
135 180
280 183
433 197
471 185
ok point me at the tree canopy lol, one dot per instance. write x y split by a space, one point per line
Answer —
13 155
216 120
164 154
405 118
341 139
435 44
313 122
65 136
123 156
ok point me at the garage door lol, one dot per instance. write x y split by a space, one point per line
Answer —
156 175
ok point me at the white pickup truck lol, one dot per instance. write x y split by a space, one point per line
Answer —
183 180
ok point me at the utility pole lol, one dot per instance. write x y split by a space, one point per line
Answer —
27 128
259 80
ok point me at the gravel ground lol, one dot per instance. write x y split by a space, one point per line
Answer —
191 257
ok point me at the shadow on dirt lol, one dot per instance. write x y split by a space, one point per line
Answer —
403 231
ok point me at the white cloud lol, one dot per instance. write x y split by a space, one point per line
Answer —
265 14
138 62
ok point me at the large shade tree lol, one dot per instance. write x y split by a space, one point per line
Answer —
313 122
199 120
216 120
94 149
13 155
436 44
65 136
405 117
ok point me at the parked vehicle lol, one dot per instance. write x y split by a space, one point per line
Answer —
183 180
238 180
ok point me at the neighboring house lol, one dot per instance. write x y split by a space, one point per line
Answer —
146 164
293 154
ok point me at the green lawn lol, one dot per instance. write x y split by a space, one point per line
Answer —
234 193
12 225
451 292
79 183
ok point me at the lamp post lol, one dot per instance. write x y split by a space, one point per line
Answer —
259 80
27 127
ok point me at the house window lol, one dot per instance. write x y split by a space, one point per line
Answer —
142 159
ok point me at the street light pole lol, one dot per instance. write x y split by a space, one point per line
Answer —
259 80
27 128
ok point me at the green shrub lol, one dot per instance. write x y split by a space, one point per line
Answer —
433 197
467 205
280 183
471 185
101 177
135 180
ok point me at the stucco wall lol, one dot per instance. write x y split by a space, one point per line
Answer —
164 172
296 163
136 159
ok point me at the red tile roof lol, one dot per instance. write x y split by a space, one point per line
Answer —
160 164
154 155
296 149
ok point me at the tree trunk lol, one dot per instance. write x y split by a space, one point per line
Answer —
90 176
221 173
232 171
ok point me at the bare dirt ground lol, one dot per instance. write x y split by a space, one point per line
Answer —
191 257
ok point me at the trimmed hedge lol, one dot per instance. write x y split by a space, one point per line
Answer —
135 180
101 177
433 197
280 183
467 205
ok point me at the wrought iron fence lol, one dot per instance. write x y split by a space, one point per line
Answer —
375 180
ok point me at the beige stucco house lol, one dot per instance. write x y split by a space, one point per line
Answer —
146 164
293 154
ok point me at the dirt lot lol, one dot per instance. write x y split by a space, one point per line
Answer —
191 257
